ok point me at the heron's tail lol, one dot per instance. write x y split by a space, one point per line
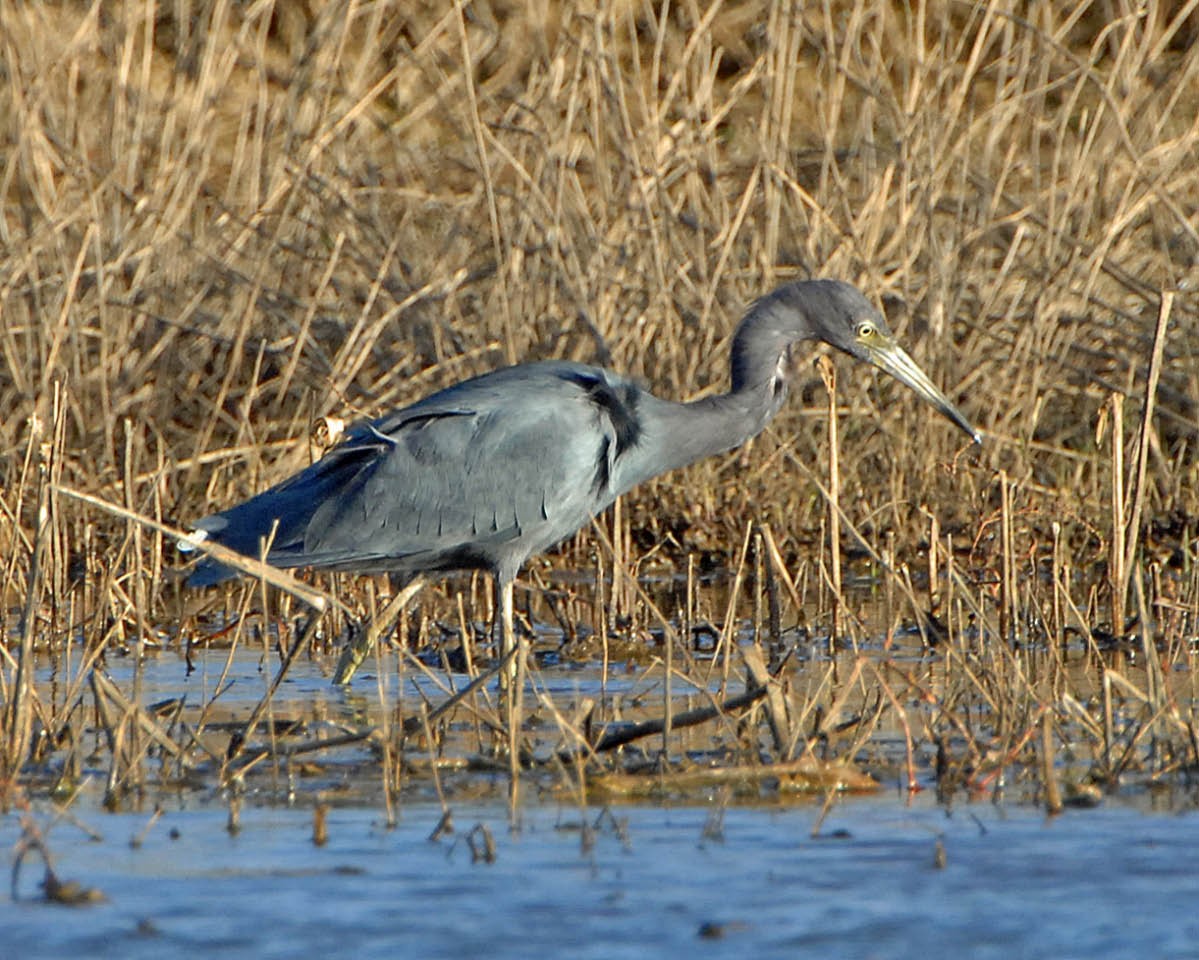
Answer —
281 515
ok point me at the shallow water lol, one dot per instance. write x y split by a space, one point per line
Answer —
1110 882
695 879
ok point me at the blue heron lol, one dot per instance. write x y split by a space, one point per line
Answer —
488 472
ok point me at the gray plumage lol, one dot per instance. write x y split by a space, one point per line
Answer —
488 472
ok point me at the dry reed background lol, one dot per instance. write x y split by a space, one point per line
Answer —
222 222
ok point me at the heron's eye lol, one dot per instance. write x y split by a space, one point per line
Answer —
865 330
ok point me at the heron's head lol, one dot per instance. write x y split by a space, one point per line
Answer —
838 314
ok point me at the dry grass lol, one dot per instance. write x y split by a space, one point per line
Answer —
221 222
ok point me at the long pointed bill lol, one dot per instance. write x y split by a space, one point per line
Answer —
889 356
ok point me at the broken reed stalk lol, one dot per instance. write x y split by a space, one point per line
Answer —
431 746
1157 692
1131 537
1109 735
1117 579
728 629
934 540
780 567
248 566
52 455
124 724
512 698
20 706
266 702
467 655
1058 574
264 600
601 614
759 586
776 703
620 602
13 513
667 692
133 534
45 578
391 768
689 718
1053 793
828 373
897 705
1008 617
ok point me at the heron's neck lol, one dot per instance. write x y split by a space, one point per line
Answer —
716 424
674 435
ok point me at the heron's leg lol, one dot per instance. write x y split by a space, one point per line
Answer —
507 629
512 678
354 652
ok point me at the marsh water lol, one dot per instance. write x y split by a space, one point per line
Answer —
882 875
1116 881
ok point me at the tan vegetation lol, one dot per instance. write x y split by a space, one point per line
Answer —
221 222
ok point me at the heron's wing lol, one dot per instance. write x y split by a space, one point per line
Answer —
493 470
482 474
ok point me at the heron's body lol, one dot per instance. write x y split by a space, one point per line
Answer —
421 490
488 472
481 475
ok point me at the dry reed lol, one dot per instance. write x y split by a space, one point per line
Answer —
222 223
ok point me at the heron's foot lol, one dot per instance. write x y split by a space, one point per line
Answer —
363 641
352 655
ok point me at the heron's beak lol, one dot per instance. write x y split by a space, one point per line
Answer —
888 355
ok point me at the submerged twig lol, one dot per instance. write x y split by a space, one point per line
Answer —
690 718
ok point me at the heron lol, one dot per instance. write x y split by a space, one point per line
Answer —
486 473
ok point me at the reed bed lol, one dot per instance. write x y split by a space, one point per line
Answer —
227 229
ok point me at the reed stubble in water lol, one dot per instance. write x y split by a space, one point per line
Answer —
240 257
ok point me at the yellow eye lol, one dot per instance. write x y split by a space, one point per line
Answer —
865 330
